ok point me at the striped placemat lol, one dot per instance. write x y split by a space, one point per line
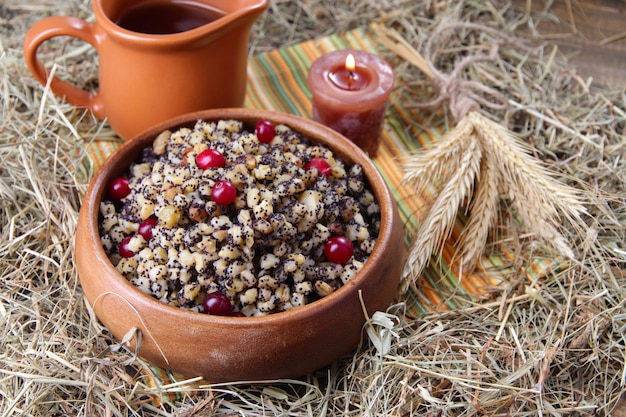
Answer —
277 81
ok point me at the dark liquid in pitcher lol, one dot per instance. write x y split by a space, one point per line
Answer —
166 17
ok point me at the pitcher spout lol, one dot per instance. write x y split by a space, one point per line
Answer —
238 12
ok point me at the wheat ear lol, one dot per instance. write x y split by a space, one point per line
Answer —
423 166
539 198
542 229
515 161
440 218
483 211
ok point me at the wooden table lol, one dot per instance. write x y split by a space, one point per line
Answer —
592 33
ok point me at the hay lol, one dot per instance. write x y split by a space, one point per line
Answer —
552 346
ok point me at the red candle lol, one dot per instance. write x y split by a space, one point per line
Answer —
350 91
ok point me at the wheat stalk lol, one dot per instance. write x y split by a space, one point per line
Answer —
482 151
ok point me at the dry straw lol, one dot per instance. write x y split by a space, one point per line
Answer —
549 346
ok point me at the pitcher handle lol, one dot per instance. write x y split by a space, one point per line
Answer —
51 27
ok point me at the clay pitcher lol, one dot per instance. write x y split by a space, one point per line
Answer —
157 58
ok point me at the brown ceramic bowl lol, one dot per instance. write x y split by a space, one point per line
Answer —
280 345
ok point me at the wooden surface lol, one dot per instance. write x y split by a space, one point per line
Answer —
591 33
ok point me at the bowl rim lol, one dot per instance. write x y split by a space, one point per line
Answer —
306 127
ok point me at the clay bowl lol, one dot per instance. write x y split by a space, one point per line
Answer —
281 345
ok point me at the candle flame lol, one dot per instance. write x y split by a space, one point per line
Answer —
350 62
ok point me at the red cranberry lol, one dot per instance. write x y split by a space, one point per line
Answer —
265 131
145 227
321 164
217 304
119 189
124 250
224 192
338 249
210 158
